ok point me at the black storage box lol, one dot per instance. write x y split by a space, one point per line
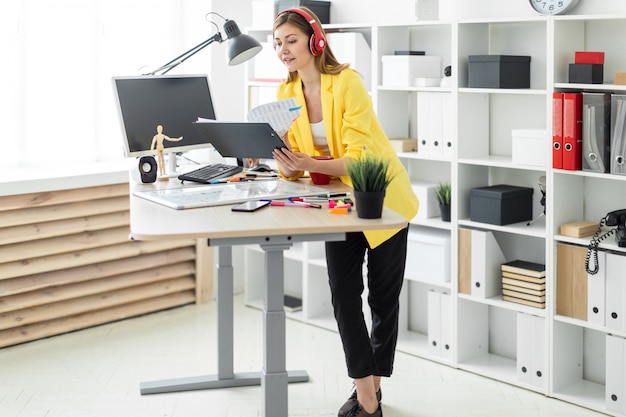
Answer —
501 204
586 73
499 71
320 8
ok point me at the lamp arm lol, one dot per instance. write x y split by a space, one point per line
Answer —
186 55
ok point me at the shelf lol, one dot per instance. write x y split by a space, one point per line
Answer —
589 174
500 303
585 393
434 222
512 91
418 156
492 366
590 87
500 162
537 229
414 89
587 325
608 244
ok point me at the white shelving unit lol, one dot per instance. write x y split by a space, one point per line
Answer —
534 348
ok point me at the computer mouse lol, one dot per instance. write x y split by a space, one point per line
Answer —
260 168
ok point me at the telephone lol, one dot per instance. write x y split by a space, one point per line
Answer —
615 218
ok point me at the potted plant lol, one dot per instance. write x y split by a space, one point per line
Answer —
370 178
443 193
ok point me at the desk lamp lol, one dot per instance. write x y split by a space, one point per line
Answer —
241 47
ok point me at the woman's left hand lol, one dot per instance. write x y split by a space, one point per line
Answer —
292 161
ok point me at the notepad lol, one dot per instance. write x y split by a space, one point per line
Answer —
229 193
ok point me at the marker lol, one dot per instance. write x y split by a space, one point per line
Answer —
340 210
294 204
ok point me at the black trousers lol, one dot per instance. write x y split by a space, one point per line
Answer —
367 354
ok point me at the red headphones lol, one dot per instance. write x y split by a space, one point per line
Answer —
317 43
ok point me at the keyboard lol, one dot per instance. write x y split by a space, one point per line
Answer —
210 173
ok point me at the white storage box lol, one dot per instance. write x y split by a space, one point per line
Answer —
402 70
529 147
428 254
429 206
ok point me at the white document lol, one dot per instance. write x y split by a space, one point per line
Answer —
596 305
615 291
434 323
446 326
279 114
614 383
524 345
486 265
531 353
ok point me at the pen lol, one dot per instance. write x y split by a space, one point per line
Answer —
295 204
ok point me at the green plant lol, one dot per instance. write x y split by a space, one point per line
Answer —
443 192
369 173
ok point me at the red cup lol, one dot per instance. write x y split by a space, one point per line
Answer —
318 178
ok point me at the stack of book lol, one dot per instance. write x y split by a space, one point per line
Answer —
524 282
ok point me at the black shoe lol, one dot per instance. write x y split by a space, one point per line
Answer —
352 402
358 411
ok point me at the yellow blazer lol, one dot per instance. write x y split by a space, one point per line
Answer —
351 126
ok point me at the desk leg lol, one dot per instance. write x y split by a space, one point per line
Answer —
225 377
274 376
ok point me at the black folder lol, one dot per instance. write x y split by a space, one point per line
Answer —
241 140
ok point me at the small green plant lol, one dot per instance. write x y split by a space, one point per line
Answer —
369 173
443 192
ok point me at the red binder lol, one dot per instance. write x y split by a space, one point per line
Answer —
572 131
557 130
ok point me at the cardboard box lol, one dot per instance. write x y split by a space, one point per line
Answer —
428 254
586 73
501 204
429 205
529 146
402 70
403 144
320 8
579 229
620 78
499 71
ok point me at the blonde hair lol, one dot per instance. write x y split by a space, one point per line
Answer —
326 62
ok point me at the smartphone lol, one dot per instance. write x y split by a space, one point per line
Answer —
251 205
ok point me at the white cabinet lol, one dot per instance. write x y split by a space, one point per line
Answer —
444 320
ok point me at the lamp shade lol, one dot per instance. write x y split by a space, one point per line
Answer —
241 47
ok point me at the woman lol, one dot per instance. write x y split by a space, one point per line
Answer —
337 119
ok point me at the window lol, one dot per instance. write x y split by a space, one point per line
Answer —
58 59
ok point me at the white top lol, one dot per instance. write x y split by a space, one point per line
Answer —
319 138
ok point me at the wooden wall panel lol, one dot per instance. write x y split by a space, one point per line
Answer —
67 263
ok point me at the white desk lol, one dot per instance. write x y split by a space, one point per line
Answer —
275 229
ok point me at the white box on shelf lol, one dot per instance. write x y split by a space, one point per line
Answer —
402 70
529 146
429 206
428 254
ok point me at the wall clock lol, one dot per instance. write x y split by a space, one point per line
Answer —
552 7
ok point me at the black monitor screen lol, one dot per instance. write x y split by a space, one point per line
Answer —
173 102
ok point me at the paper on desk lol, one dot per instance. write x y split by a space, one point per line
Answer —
279 114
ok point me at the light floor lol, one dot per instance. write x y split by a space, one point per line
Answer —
97 372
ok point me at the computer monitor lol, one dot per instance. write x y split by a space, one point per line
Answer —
171 101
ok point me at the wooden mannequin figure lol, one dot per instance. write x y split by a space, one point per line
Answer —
157 143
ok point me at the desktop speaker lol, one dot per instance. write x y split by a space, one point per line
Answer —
148 169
